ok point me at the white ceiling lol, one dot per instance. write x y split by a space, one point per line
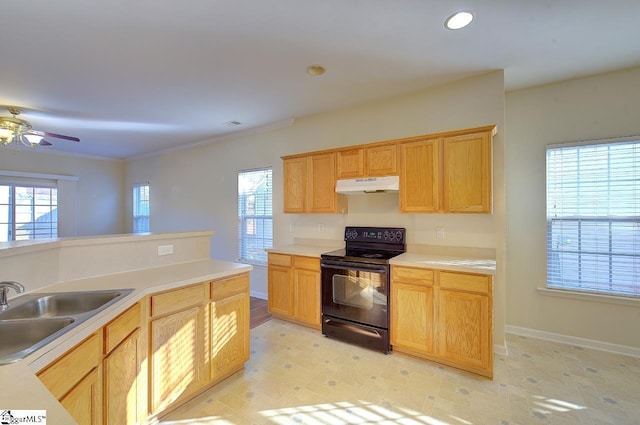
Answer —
133 77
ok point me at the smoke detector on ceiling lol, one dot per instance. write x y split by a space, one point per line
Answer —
232 123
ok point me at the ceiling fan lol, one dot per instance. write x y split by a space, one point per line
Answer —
14 129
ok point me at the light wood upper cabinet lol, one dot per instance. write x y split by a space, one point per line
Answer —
467 173
381 161
447 175
310 183
366 162
321 188
295 184
350 163
419 176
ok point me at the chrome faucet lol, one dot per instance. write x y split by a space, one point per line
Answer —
4 288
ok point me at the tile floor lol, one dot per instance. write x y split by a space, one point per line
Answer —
296 376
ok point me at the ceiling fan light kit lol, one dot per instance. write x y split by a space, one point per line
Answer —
14 129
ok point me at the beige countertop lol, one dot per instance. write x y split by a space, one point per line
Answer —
21 389
305 250
455 262
446 262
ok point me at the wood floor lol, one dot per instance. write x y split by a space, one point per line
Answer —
259 312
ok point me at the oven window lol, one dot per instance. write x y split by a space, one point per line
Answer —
358 289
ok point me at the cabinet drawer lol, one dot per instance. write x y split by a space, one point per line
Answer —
280 260
224 288
308 263
178 299
412 275
69 369
121 327
465 282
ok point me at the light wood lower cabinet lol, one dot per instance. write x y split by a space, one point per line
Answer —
229 324
75 379
176 338
443 316
84 401
156 355
294 288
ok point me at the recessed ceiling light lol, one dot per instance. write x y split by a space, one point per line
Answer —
315 70
458 20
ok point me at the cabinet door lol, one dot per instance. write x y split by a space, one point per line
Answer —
229 335
381 161
176 356
121 368
412 318
467 173
350 163
84 401
419 176
280 291
307 297
295 177
464 319
321 186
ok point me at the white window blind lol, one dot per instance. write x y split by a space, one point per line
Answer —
255 215
141 208
593 217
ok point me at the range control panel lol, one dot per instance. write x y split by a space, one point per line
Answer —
375 234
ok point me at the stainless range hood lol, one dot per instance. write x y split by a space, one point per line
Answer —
368 185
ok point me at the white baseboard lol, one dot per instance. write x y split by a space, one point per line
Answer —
500 349
572 340
260 295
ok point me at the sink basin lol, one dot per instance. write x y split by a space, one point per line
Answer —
34 320
59 304
21 337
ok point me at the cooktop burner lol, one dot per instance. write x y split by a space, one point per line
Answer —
370 244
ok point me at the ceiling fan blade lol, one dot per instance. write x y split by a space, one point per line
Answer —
44 143
57 136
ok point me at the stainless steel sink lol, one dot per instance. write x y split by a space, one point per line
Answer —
34 320
21 337
59 304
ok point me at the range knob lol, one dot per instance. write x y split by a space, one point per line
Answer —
399 236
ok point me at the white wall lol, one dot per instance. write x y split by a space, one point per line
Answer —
99 193
196 189
597 107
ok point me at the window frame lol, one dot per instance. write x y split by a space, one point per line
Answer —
595 219
13 205
263 235
139 217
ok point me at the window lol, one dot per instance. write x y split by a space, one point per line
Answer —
28 212
593 217
255 205
141 208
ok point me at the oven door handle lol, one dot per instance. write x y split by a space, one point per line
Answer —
349 266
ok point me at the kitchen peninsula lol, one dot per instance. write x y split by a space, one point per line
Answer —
176 286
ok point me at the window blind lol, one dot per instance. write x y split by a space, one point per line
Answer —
593 217
255 215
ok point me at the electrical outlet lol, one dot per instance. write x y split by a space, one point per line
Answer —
440 233
320 228
165 250
292 227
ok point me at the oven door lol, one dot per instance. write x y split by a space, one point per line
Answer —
357 292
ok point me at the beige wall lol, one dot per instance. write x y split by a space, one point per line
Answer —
597 107
196 189
98 193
